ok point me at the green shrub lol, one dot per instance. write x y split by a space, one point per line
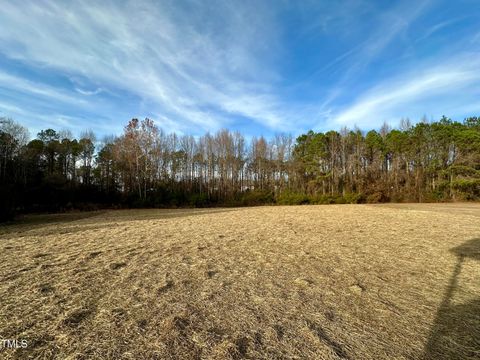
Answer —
7 203
466 189
291 198
255 197
354 198
471 186
324 199
435 196
198 200
377 197
340 200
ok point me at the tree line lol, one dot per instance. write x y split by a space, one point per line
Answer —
147 167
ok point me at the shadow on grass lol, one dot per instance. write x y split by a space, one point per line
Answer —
456 331
105 219
40 219
159 214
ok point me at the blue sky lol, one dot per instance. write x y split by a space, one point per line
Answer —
261 67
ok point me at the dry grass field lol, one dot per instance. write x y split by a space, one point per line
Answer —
299 282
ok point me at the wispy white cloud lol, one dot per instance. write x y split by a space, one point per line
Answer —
35 88
89 92
149 48
390 25
475 38
196 66
326 17
437 27
407 94
36 121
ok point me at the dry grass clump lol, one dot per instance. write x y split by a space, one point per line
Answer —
316 282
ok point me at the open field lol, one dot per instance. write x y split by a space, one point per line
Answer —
305 282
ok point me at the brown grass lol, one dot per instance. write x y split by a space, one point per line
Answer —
308 282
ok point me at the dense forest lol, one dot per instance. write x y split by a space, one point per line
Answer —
146 167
